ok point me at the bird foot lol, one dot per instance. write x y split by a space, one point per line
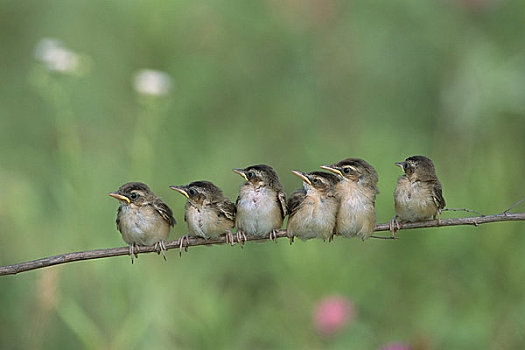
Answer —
438 217
291 239
181 244
229 238
241 237
331 238
132 252
273 235
394 226
160 247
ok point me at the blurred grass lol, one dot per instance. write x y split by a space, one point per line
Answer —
291 84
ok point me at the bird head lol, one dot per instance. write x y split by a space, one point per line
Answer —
418 167
136 193
199 191
318 181
354 169
259 175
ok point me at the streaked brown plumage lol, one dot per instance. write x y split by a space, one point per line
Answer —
261 204
356 192
142 218
313 208
208 212
418 195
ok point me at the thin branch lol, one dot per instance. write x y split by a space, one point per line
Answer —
195 241
514 205
382 237
467 210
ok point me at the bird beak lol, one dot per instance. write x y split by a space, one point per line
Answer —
302 176
400 164
180 190
333 170
120 197
240 172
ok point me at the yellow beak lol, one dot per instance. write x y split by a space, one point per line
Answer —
240 172
120 197
180 190
400 164
333 170
302 176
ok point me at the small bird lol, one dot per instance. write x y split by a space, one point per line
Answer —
261 204
142 218
208 212
356 192
313 208
418 195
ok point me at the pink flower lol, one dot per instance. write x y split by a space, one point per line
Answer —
333 313
395 346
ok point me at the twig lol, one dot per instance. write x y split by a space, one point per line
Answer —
195 241
467 210
514 205
383 237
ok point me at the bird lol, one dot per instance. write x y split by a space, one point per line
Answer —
356 192
313 208
261 204
418 195
142 218
208 212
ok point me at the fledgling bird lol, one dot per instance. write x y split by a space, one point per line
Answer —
261 204
356 192
208 212
142 218
313 208
418 195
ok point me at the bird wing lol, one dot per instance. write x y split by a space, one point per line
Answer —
281 201
295 200
164 211
437 195
118 217
186 211
227 208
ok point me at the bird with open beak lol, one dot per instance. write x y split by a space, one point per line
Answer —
418 195
208 212
356 191
142 218
261 204
313 208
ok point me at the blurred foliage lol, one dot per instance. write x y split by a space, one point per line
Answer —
294 84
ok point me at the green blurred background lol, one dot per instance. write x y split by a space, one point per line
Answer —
294 84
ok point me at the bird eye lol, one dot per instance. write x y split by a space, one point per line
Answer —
251 175
134 195
192 192
346 170
315 181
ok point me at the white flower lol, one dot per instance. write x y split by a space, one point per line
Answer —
56 57
152 82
